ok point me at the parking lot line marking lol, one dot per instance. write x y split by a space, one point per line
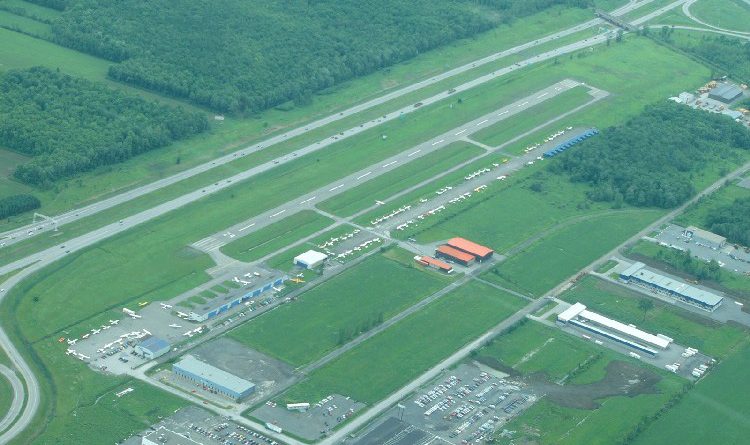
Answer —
462 131
246 227
278 213
413 153
337 187
362 176
308 200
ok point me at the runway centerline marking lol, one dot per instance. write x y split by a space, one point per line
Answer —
337 187
278 213
362 176
413 153
246 227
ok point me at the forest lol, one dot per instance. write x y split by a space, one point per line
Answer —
17 204
70 125
651 159
250 55
732 221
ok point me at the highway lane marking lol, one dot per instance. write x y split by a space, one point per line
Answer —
462 131
438 142
337 187
413 153
542 95
480 123
362 176
246 227
308 200
278 213
389 164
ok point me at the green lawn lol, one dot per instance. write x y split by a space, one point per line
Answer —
6 396
389 360
537 115
384 186
555 257
712 338
276 236
609 264
729 14
24 24
717 411
697 214
331 313
536 348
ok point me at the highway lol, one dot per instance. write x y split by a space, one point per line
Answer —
22 233
39 260
16 401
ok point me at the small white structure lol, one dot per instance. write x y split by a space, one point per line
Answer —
310 259
302 407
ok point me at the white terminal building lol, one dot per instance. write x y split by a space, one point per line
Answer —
629 335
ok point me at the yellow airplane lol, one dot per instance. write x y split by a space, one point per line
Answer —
297 280
142 303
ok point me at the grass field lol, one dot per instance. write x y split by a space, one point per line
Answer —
276 236
384 186
389 360
730 282
537 115
697 214
338 309
716 411
558 255
536 348
23 24
712 338
729 14
6 396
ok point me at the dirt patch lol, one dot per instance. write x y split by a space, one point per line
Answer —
622 379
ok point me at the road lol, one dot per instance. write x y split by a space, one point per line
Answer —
16 403
39 260
686 10
695 28
21 233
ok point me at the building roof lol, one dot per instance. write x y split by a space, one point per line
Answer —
706 235
437 263
154 344
455 253
678 287
635 267
571 312
310 257
625 329
214 375
469 246
726 92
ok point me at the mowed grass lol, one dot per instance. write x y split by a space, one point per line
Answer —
537 115
394 357
556 256
536 348
717 411
615 301
729 14
24 24
344 306
393 182
276 236
697 214
6 396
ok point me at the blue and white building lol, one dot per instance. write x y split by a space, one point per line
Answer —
215 308
212 378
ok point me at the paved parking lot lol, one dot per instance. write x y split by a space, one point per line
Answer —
730 258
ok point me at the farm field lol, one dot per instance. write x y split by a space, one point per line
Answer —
733 283
697 214
337 310
713 338
232 133
558 255
390 359
380 188
715 411
729 14
276 236
533 117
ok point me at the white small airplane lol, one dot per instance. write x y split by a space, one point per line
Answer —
188 334
135 316
277 289
83 356
70 351
380 203
175 325
96 331
256 274
72 341
113 322
181 314
107 346
85 336
128 311
146 332
105 327
165 306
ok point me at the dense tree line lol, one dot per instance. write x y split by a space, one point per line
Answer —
60 5
70 125
732 221
686 262
651 159
250 55
729 54
17 204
